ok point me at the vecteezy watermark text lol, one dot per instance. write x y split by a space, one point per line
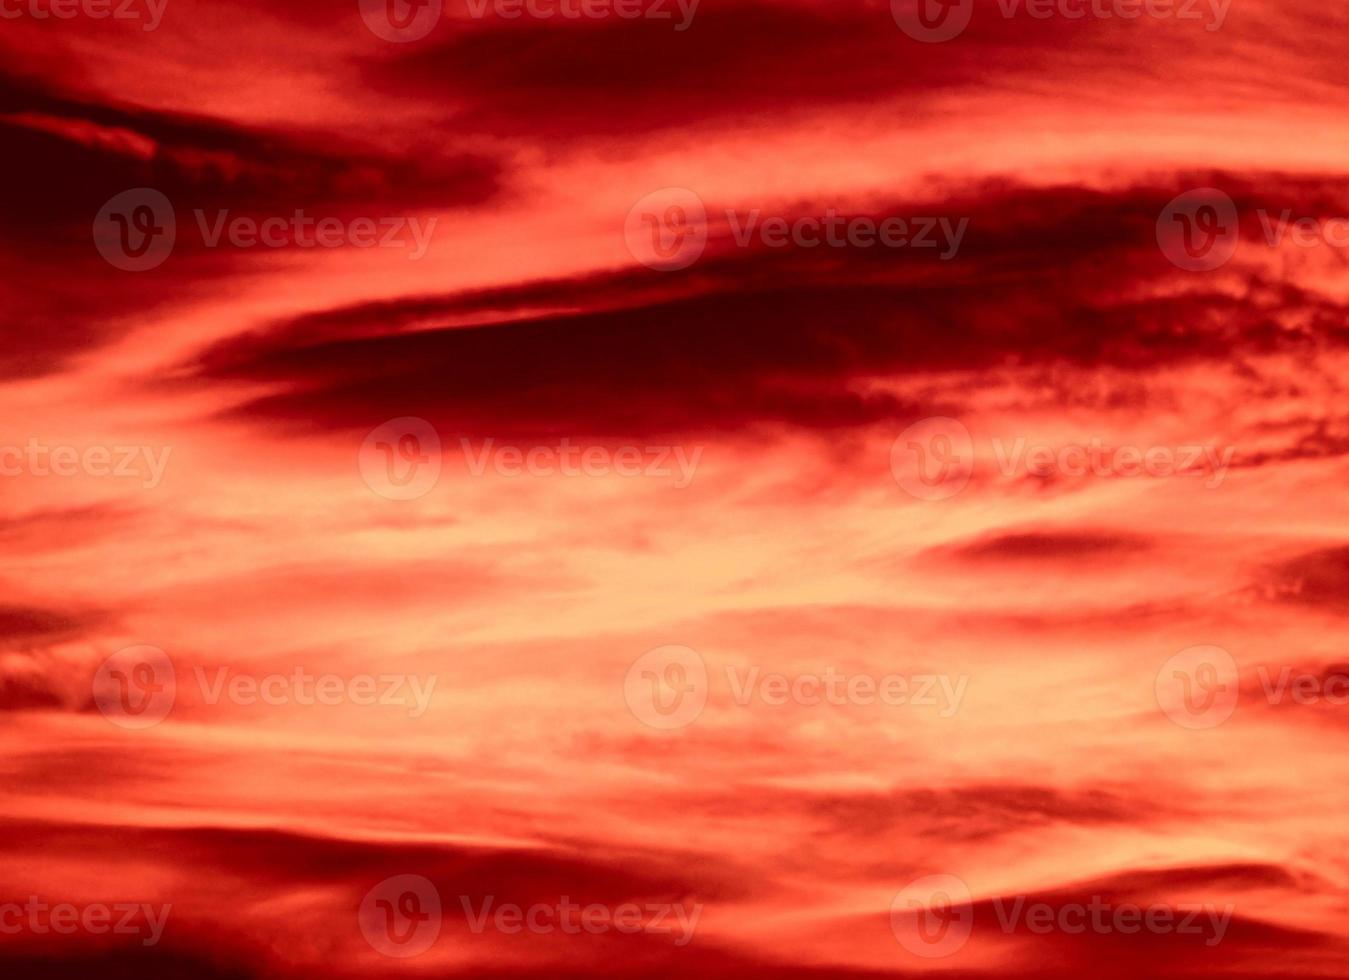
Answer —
1200 687
570 460
137 688
137 230
587 10
935 458
39 918
570 918
935 21
149 11
35 458
403 458
404 21
306 689
668 230
1099 916
402 917
1094 458
1200 230
300 230
933 917
668 688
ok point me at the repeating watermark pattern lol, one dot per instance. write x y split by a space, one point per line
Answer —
1303 232
403 459
400 21
39 918
570 460
932 21
404 21
401 916
571 918
935 21
137 688
667 230
679 12
300 687
833 687
137 230
1094 458
1303 688
1200 230
299 230
36 458
1207 921
934 917
1200 687
668 688
149 12
934 459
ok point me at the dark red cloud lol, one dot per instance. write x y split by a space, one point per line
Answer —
67 156
741 62
1046 546
1319 579
1044 277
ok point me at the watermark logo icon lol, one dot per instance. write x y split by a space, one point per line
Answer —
667 229
1198 688
1199 230
932 916
932 21
401 459
666 688
401 916
136 229
401 21
933 459
136 687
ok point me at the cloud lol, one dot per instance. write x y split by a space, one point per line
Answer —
1063 547
1318 578
68 157
794 337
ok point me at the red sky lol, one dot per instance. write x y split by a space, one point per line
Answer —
574 497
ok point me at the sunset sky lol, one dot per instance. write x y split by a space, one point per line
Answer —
767 462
